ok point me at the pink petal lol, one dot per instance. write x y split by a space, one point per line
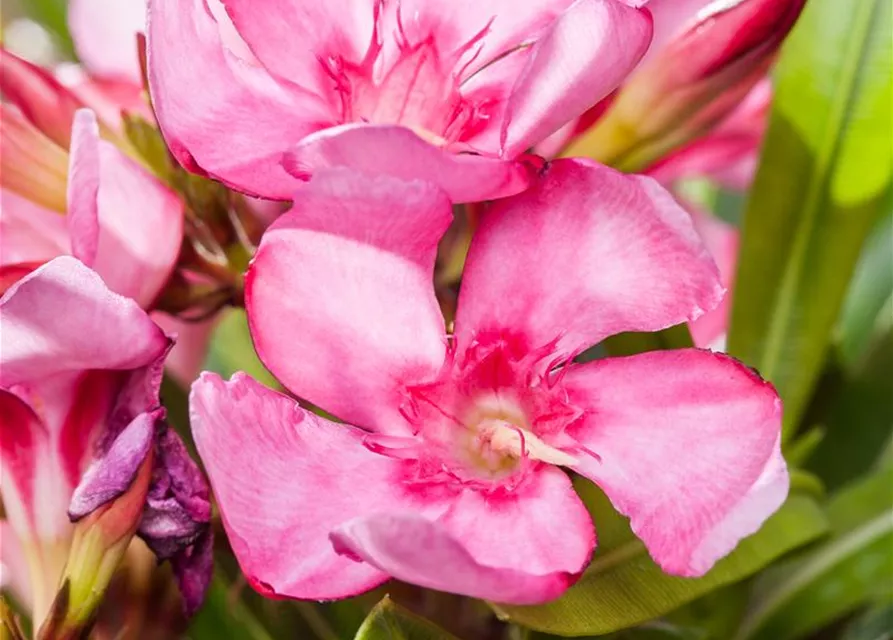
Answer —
291 37
672 17
585 253
398 152
284 478
686 444
728 154
240 122
107 98
192 340
507 25
35 490
15 576
586 54
721 240
28 232
340 299
521 547
40 98
124 222
63 318
104 34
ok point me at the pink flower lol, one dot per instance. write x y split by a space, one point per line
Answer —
453 92
450 477
80 369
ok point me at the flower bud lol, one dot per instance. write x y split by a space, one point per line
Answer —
107 507
692 84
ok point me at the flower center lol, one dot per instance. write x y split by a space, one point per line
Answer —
499 446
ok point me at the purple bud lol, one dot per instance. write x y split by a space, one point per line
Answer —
112 472
176 519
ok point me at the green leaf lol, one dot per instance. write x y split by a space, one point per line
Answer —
224 617
871 289
631 343
874 624
623 587
389 621
824 178
232 350
853 567
857 417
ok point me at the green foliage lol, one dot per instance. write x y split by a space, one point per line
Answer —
225 617
390 621
851 568
624 587
823 180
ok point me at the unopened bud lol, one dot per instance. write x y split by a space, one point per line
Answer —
692 84
107 507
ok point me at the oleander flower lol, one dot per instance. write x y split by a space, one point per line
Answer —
453 92
83 436
448 473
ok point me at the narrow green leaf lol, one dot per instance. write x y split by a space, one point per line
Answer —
875 624
871 289
857 417
824 177
390 621
853 567
623 587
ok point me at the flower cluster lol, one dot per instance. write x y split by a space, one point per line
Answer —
308 160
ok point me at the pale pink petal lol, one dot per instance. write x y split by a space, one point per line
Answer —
721 239
62 318
14 571
398 152
238 125
124 223
685 443
521 547
39 97
192 340
586 253
28 232
35 490
340 299
292 38
284 478
109 99
104 34
585 55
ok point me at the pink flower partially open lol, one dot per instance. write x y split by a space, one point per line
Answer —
453 92
80 371
450 478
